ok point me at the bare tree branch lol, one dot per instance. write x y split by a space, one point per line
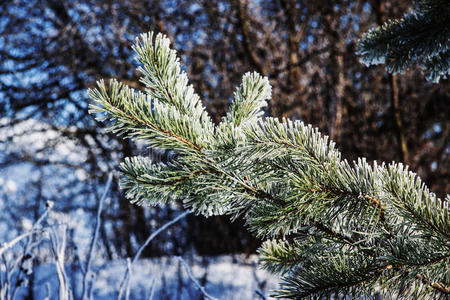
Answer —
194 280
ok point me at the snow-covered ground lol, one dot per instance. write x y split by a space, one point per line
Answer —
223 277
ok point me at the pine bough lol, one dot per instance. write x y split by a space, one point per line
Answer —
331 228
418 38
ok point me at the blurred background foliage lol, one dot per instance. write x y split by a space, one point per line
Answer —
51 51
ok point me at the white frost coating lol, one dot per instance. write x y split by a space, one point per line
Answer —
372 61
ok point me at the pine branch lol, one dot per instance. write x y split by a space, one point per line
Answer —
335 228
416 203
337 275
249 99
164 79
141 177
138 116
418 38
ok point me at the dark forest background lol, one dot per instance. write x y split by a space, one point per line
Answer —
52 51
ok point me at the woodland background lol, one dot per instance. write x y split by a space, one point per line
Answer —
52 149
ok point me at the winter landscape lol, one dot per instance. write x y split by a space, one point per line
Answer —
224 149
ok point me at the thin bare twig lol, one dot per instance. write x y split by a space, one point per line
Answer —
4 290
126 277
7 245
94 240
260 294
29 245
194 280
47 286
127 290
59 247
152 289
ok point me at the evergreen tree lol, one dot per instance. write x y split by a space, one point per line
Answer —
331 227
421 37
